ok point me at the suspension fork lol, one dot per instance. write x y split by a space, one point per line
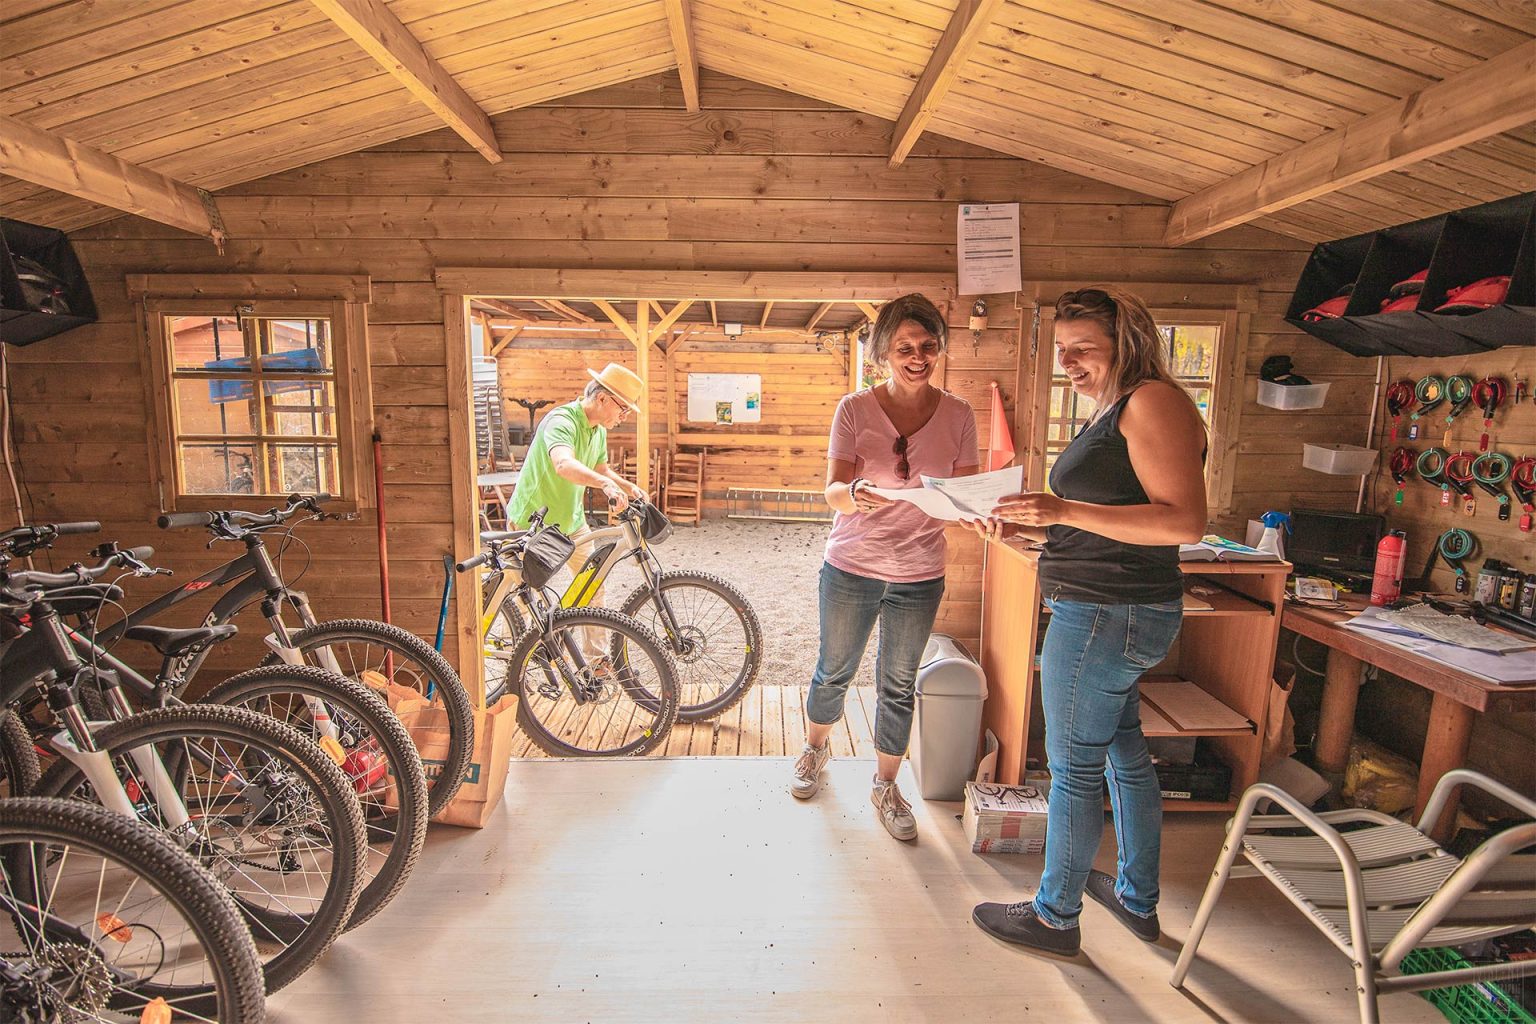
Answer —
650 569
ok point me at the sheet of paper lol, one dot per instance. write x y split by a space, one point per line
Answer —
1519 667
960 497
988 248
932 502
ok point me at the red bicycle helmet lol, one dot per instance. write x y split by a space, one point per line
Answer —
1469 298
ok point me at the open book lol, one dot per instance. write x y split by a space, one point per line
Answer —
1218 549
959 497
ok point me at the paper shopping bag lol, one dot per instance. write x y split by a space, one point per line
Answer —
480 793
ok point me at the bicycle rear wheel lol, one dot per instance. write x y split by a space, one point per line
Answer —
380 761
19 770
717 642
271 816
389 653
575 685
109 915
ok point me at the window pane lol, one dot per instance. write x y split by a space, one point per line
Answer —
207 343
308 468
219 406
1202 396
303 345
218 468
1192 352
300 407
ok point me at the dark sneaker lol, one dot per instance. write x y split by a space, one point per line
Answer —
1017 923
1101 889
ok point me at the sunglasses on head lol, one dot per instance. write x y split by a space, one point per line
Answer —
1086 297
903 468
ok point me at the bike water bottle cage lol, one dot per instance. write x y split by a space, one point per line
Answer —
1430 392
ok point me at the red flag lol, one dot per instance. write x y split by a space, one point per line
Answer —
1000 440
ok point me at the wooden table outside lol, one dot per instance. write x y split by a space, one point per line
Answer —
1458 697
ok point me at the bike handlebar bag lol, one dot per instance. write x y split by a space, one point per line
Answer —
544 554
655 527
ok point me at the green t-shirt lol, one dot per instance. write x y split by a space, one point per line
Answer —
538 485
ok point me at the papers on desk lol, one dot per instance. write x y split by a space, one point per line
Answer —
1514 667
960 497
1453 629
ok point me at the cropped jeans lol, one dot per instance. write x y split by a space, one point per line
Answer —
849 607
1093 656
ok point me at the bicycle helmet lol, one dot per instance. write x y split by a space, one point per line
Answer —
41 289
1479 295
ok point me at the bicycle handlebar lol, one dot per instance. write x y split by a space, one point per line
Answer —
472 563
227 524
23 540
89 526
182 520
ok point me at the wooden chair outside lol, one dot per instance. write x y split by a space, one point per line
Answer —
684 498
1380 888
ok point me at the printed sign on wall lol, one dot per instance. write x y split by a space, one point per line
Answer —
725 398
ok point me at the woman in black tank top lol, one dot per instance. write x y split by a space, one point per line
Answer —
1126 492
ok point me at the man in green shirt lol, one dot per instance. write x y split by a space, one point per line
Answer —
570 454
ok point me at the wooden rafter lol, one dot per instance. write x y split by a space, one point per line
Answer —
55 162
375 28
1484 100
624 326
680 25
956 45
714 317
506 339
821 311
556 306
767 308
868 310
508 310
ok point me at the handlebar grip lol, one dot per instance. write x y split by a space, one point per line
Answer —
86 527
472 563
182 520
143 553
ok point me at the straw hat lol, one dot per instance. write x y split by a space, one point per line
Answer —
622 383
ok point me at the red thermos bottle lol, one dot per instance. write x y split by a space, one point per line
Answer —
1387 582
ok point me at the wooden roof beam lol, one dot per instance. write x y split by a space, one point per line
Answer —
556 306
821 311
508 310
86 172
961 35
377 30
767 308
680 25
1485 99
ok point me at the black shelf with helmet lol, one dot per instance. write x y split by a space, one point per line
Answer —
1459 283
43 291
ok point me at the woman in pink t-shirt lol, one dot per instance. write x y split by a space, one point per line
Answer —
885 559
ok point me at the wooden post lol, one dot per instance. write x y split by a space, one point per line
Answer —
643 417
1446 743
1336 717
465 613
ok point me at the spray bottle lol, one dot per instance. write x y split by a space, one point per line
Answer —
1270 542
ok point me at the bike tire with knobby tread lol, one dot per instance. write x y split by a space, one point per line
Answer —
19 767
736 692
236 996
408 825
339 803
450 689
607 618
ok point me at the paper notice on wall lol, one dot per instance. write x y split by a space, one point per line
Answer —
988 248
725 398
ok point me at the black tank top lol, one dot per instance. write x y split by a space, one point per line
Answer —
1080 566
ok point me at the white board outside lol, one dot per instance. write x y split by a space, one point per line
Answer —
725 398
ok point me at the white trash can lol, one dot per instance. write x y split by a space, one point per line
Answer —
946 729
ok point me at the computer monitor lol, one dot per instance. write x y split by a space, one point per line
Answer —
1340 541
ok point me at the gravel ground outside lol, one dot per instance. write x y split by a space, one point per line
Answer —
775 565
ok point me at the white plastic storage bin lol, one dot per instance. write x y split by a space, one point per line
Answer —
946 729
1295 396
1338 459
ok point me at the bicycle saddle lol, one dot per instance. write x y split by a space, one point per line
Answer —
171 642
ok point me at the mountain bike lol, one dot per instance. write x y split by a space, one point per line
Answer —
589 681
706 623
111 921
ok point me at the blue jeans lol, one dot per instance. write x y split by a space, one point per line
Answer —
849 607
1093 656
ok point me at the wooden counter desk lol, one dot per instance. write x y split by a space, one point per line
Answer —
1458 696
1226 647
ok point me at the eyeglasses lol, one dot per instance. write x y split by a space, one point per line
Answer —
624 409
903 468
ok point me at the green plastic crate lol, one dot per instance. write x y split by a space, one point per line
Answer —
1481 1002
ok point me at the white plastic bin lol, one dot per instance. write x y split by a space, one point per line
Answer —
1295 396
1338 459
946 730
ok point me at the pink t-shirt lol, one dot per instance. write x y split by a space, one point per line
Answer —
898 543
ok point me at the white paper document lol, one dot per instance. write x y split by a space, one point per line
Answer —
1517 667
988 248
959 497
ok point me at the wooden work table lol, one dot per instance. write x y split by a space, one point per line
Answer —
1458 696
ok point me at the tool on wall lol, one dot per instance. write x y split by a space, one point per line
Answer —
1401 465
1489 395
1399 399
1431 468
1456 546
1522 480
1489 471
1458 470
1430 393
1458 391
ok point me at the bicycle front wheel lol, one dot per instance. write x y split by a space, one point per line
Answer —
352 647
19 770
108 915
267 812
713 635
576 685
378 758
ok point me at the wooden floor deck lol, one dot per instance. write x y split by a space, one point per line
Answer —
769 722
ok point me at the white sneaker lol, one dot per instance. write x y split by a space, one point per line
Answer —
807 778
895 813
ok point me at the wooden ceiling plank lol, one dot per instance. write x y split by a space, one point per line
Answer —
1482 101
27 30
812 32
971 20
821 311
1519 15
373 27
680 26
1431 29
89 173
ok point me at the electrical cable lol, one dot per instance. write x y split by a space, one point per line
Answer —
1296 658
1455 546
5 437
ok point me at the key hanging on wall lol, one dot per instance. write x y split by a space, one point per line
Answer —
1489 395
1430 393
1458 391
1489 471
1399 398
